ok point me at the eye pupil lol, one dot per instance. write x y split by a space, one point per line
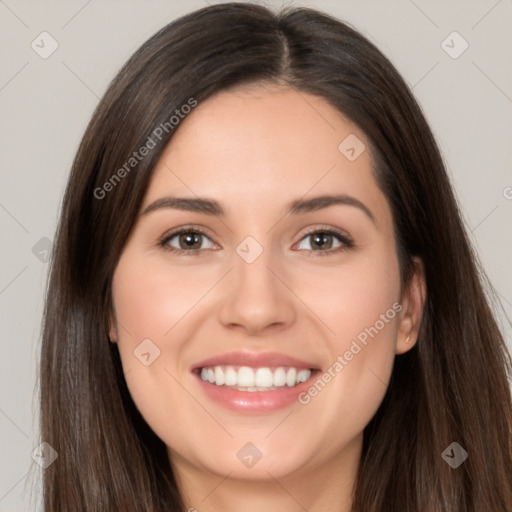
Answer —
190 239
322 240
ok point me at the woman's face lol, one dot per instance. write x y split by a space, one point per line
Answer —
218 327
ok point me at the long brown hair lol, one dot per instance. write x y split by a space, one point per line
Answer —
452 386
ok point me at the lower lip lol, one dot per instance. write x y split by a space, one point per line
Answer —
254 401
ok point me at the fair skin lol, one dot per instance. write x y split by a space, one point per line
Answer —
254 150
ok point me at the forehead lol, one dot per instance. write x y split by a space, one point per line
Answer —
256 145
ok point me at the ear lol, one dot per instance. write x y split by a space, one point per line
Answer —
413 301
113 336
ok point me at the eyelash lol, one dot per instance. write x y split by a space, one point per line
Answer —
346 242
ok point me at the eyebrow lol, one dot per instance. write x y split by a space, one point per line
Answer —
299 206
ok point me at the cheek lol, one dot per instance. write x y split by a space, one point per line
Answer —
361 309
359 304
150 299
358 297
151 296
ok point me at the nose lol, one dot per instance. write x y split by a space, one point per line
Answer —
258 298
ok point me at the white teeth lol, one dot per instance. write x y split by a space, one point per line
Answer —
303 375
219 376
263 378
230 376
279 378
291 377
245 378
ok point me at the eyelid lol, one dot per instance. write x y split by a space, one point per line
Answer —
164 240
328 229
196 228
344 238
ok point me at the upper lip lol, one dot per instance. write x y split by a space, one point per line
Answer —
254 360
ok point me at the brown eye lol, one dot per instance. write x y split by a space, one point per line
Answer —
185 240
189 240
326 241
321 240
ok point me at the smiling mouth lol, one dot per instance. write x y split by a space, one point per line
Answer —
245 378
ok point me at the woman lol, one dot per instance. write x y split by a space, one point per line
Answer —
199 353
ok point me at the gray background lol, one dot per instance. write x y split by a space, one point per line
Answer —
45 105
